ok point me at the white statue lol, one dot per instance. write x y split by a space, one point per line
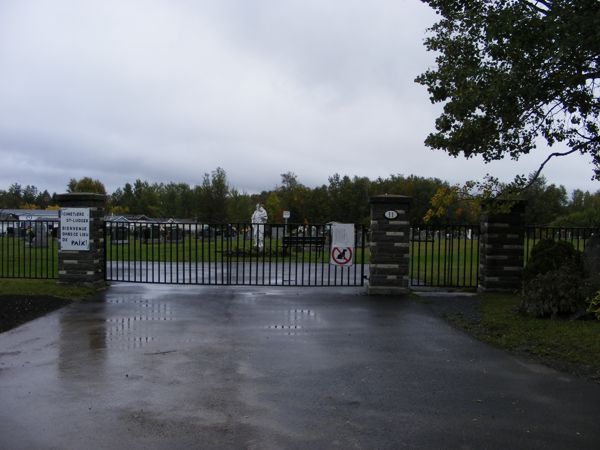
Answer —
259 218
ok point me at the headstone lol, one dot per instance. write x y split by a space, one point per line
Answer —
174 233
119 234
151 234
277 232
40 234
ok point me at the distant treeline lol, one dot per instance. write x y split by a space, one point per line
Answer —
342 199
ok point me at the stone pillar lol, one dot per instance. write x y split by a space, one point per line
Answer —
501 247
390 229
84 266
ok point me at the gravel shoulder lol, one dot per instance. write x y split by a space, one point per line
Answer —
15 310
464 312
445 304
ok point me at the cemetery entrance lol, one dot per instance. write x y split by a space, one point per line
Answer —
178 252
444 256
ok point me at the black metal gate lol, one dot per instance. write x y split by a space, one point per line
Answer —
177 252
444 256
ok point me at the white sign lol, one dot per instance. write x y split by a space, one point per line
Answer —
391 215
75 229
342 244
286 214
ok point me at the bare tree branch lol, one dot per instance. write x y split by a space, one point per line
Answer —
536 7
550 156
591 75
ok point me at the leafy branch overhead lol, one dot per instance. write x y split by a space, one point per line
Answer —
512 72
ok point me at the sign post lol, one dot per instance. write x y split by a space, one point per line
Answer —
81 257
342 244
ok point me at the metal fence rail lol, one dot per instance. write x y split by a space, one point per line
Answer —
444 256
227 254
577 236
29 249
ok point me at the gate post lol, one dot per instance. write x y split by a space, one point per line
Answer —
86 263
390 229
501 247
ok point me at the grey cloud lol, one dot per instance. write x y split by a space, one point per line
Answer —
166 91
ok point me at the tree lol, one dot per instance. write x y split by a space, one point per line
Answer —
211 197
43 199
14 196
318 205
273 207
512 71
544 203
145 199
86 184
240 207
582 211
292 195
422 190
29 196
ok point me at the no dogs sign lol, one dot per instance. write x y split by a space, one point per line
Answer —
342 244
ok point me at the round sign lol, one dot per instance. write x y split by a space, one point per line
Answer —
342 256
391 215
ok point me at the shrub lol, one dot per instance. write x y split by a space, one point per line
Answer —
548 255
594 305
554 281
555 293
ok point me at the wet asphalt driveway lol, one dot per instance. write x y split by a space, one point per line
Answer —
194 367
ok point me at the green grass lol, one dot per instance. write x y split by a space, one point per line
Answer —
445 262
19 260
44 287
439 263
217 250
572 345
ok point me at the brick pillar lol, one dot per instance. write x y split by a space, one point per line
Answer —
84 266
388 268
501 246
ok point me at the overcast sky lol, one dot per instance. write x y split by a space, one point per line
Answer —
168 90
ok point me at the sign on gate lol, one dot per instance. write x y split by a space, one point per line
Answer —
75 229
342 244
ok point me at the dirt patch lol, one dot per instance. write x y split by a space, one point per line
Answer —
18 309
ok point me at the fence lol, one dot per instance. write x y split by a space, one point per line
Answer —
29 249
577 236
444 256
228 254
294 255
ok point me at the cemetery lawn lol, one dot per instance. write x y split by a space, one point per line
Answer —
25 300
217 250
568 345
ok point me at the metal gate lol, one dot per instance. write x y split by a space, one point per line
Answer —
444 256
177 252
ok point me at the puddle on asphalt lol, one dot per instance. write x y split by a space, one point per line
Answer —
283 327
251 297
302 313
296 322
120 342
147 310
126 300
286 330
132 329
